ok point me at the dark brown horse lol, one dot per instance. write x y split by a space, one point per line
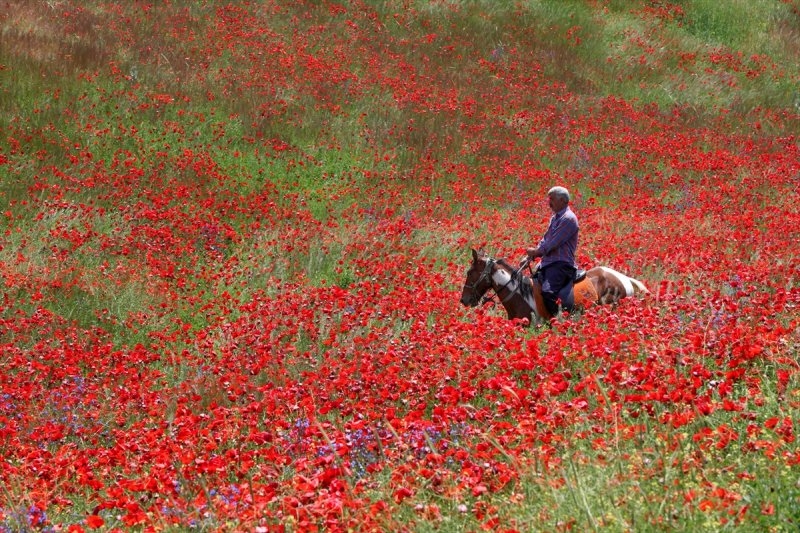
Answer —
522 295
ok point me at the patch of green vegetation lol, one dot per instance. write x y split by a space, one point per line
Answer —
734 24
326 266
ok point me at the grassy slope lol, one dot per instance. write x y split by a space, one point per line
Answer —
165 178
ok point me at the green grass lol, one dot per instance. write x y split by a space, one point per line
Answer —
735 24
651 481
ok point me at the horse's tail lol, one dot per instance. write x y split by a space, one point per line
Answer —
638 286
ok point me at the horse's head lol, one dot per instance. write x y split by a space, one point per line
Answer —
479 279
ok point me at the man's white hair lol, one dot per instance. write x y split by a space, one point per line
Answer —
560 192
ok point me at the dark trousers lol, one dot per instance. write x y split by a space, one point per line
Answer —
557 279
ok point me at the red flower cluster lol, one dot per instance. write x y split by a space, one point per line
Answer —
218 312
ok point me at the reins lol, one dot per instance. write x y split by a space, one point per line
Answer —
515 273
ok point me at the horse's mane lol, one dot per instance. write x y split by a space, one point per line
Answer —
506 266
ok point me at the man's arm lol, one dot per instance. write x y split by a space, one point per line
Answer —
533 253
566 228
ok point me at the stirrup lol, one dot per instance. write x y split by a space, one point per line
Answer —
579 275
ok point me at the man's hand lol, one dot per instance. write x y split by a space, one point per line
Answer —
533 253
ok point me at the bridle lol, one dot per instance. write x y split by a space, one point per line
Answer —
487 271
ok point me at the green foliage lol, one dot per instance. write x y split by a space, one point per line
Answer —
735 24
308 157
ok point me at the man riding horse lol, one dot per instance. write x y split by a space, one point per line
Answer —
555 279
557 250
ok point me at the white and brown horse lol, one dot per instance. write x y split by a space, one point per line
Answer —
522 295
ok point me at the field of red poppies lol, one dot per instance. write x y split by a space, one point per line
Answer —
234 237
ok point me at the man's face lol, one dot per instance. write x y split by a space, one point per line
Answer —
556 203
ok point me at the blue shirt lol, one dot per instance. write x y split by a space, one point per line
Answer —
560 242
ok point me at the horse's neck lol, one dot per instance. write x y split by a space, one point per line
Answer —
510 290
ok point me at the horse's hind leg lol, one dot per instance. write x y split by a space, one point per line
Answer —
611 295
607 293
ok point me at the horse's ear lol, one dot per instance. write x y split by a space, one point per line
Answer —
474 255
